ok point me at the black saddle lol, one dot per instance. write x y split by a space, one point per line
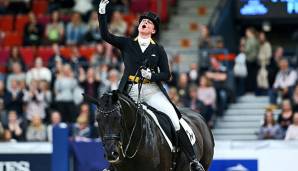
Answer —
166 124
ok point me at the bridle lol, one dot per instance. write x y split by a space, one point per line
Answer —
119 137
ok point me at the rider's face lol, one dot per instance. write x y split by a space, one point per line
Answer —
146 26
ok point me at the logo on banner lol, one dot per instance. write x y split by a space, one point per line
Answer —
14 166
238 167
234 165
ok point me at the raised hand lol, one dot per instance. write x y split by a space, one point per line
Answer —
102 6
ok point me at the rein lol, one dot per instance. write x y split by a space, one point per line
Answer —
139 108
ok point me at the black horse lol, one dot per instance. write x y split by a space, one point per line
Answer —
133 142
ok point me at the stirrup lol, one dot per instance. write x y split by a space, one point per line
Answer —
198 167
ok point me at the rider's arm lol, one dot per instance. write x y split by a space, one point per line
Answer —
164 74
116 41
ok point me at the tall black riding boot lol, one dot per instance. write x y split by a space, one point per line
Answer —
187 148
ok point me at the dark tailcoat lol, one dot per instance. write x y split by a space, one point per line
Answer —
154 57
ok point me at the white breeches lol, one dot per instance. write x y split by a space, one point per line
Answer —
152 95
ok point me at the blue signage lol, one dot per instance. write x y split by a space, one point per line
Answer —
25 162
89 156
234 165
267 8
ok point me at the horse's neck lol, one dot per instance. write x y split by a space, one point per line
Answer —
128 112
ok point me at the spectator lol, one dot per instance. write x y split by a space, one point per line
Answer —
57 57
90 82
265 51
36 130
284 82
204 42
55 29
15 126
75 30
240 70
207 94
16 74
118 26
173 95
86 111
14 98
98 58
294 99
193 73
3 115
192 100
264 56
55 121
286 116
103 71
183 86
292 132
81 128
93 33
44 88
274 63
270 129
251 52
15 57
33 31
1 130
38 72
35 101
64 87
77 61
218 75
111 83
5 96
115 60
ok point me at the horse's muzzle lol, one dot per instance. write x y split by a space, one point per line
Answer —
114 157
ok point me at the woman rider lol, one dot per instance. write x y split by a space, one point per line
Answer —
141 51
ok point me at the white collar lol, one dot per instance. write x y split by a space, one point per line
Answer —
144 42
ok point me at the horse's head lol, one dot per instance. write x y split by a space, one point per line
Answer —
108 117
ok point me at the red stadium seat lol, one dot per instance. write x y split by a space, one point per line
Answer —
45 53
40 7
65 51
86 51
28 54
6 23
13 39
21 21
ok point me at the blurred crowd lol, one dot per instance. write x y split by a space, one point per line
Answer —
259 68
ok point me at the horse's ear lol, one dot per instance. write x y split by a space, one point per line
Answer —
115 96
90 99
